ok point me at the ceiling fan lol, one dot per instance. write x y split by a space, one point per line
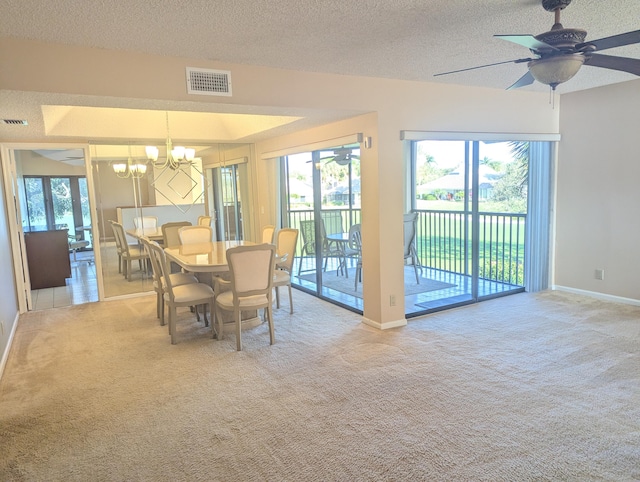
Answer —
342 156
560 52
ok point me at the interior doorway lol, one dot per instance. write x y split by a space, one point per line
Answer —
51 228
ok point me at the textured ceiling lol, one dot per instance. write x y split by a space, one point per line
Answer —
401 39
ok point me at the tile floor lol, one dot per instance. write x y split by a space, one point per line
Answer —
82 287
415 304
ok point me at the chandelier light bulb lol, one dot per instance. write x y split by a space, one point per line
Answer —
152 153
119 167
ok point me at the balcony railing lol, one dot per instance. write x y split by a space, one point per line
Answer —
347 217
443 241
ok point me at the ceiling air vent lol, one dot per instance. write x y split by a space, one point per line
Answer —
208 82
15 122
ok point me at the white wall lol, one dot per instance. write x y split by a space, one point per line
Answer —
598 196
8 299
379 108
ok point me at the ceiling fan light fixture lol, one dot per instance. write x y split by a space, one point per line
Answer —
556 69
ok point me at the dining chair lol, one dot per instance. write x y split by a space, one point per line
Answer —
118 246
170 233
267 233
204 220
410 222
128 252
182 295
195 234
145 222
286 242
159 284
251 286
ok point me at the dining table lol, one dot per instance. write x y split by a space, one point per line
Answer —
154 234
208 257
211 258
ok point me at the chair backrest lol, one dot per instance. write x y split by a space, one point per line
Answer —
286 245
267 233
251 270
115 236
156 269
170 232
195 234
121 238
332 222
145 222
204 220
410 221
355 237
308 231
159 261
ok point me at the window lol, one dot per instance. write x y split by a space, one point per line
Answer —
53 202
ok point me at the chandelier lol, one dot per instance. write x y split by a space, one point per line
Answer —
175 156
130 168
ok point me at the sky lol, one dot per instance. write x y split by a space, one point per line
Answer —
450 154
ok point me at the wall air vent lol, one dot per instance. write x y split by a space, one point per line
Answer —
208 82
15 122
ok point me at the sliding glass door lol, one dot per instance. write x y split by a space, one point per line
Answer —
471 201
322 200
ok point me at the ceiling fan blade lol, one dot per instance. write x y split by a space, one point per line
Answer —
613 41
624 64
517 61
528 41
526 79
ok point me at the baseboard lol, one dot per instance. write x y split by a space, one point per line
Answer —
385 325
595 294
5 354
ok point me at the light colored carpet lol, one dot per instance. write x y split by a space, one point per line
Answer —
347 285
528 387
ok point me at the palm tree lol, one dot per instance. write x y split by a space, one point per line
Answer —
520 152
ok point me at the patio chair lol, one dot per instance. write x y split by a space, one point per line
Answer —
410 222
354 251
308 232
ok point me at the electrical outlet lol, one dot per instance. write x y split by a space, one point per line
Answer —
392 300
600 274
